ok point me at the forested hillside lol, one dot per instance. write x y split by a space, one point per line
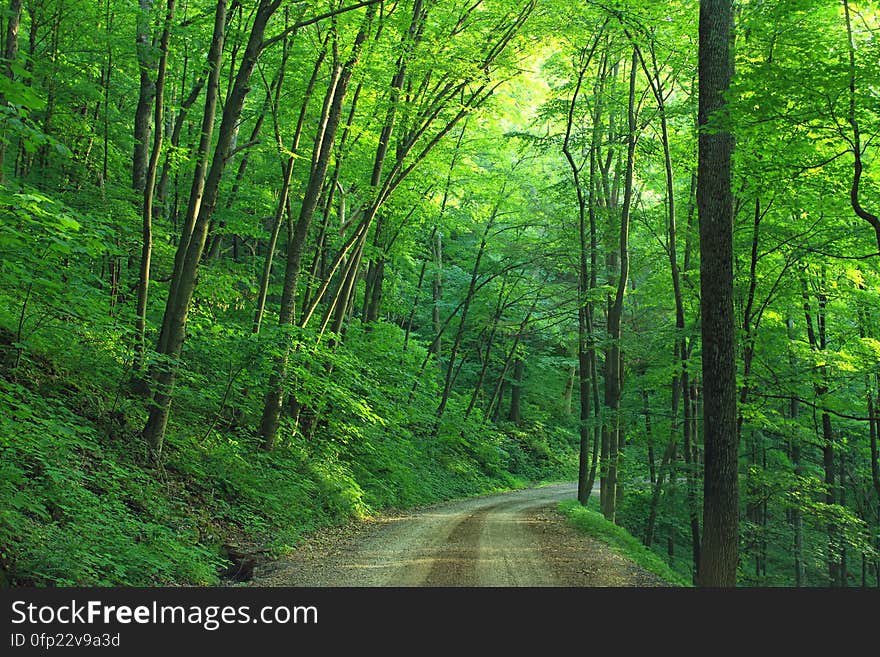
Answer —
270 265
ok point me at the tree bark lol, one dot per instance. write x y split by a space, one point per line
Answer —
165 373
720 542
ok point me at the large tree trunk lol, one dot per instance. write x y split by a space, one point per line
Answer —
164 375
719 555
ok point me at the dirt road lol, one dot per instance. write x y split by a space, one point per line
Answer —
513 539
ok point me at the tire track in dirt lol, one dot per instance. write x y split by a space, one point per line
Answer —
513 539
456 563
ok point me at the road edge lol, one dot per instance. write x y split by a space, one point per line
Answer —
619 540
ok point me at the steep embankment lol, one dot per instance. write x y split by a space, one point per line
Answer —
81 505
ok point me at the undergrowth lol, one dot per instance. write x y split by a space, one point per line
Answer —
593 523
81 504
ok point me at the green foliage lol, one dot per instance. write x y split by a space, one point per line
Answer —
81 506
76 511
79 503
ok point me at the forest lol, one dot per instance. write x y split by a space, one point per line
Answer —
271 265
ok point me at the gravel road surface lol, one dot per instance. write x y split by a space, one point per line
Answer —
512 539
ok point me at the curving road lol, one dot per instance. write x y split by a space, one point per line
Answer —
513 539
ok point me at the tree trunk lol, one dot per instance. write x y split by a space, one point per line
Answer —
146 93
872 388
856 141
614 359
284 197
161 200
203 200
148 192
375 299
333 188
665 461
10 52
320 163
585 337
585 457
841 460
515 414
690 471
437 288
817 339
719 555
374 284
415 304
796 515
568 390
171 337
270 106
486 360
469 296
